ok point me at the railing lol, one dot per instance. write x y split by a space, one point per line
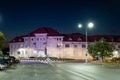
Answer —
39 61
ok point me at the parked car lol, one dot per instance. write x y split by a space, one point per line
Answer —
2 66
13 60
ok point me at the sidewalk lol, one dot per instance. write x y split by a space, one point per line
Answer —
109 65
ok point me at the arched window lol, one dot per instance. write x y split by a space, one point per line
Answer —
70 38
79 39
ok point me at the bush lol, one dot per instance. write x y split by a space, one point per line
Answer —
51 58
115 59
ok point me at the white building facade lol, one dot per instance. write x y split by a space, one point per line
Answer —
48 42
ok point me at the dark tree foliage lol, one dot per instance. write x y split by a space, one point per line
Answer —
2 39
102 48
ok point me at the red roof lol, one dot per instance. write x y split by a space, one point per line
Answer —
74 37
49 31
109 38
17 39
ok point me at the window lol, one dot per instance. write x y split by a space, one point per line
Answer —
37 45
70 38
60 39
21 46
83 46
118 46
32 39
26 45
41 45
40 39
37 39
50 44
50 53
18 52
58 45
19 39
18 46
34 52
44 39
26 39
50 38
67 53
75 53
34 44
79 39
75 46
11 46
67 45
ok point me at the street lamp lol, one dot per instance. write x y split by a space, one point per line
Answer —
89 25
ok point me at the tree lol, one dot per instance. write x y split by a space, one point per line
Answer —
102 48
2 39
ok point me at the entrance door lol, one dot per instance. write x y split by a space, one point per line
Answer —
41 54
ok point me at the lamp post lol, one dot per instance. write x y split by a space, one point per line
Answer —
89 25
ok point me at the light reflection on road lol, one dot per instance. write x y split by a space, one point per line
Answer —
65 71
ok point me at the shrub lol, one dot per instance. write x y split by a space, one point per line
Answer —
115 59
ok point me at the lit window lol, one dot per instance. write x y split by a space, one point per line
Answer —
58 45
67 53
75 53
34 52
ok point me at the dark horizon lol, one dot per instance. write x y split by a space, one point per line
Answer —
20 17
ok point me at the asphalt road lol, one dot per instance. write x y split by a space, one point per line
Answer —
64 71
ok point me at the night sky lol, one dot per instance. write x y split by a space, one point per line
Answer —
20 17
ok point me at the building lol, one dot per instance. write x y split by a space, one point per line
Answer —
47 41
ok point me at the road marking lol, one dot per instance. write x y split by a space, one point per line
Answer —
81 75
86 77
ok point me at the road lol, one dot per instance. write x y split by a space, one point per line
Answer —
63 71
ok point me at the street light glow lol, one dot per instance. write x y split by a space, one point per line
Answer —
79 25
90 25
